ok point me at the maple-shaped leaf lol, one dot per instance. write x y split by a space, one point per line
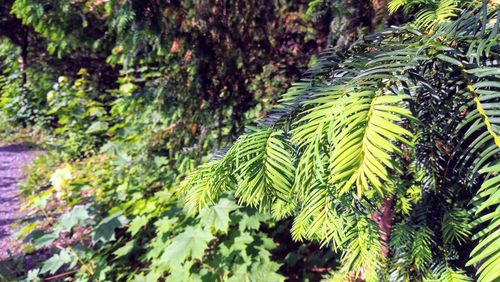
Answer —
97 126
105 230
259 271
45 240
33 275
251 220
217 216
266 270
164 225
236 244
152 276
76 216
137 223
183 273
120 252
189 244
55 262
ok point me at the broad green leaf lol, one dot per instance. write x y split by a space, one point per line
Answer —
137 223
53 264
125 250
33 275
217 216
261 271
97 126
189 244
45 240
105 230
75 217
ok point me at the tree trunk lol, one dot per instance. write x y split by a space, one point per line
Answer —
384 220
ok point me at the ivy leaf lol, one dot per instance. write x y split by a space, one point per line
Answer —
97 126
189 244
105 230
55 262
218 216
266 270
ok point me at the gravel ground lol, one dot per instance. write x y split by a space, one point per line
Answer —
12 159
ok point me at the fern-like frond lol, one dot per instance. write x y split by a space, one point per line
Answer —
395 5
444 272
203 186
319 219
481 126
486 202
363 249
400 243
430 13
430 17
455 226
343 140
365 149
264 168
421 252
311 136
452 275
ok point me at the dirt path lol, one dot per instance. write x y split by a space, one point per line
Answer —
12 159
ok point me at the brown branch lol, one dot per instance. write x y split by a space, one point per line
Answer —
59 275
321 269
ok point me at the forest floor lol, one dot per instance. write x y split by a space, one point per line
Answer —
12 159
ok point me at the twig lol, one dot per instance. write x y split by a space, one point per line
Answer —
59 275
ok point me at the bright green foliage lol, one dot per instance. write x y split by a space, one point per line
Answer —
270 167
190 243
77 216
364 246
450 275
79 113
487 210
376 153
55 262
363 148
430 13
402 120
105 230
217 217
